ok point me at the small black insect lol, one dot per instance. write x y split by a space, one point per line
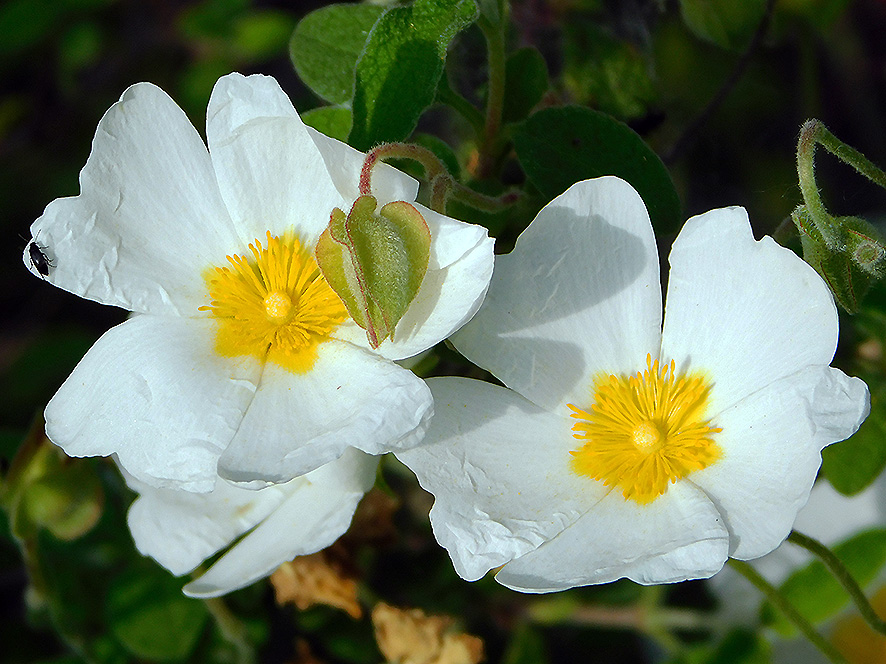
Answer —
39 261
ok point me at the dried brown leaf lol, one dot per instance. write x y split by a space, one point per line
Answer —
316 579
409 636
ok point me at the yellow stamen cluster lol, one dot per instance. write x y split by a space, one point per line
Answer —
645 431
273 304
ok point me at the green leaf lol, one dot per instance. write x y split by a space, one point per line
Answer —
816 594
334 121
561 146
727 23
398 73
150 616
375 262
852 465
526 81
847 281
326 45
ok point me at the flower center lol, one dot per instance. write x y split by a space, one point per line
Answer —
273 304
645 431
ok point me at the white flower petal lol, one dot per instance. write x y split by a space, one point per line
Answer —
149 217
316 514
578 295
154 391
270 172
677 537
771 444
180 529
458 275
745 312
298 422
498 467
345 163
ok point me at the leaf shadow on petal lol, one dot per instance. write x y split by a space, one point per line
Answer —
568 283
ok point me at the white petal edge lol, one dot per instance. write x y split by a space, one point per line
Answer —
772 442
746 312
180 529
270 172
580 294
454 286
498 467
349 398
316 514
677 537
149 217
153 391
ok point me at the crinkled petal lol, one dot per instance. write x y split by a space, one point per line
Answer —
270 172
316 513
498 467
677 537
298 422
458 275
579 294
745 312
149 216
153 391
180 529
771 444
345 163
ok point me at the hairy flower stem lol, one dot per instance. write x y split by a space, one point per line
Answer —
495 41
813 133
443 185
782 604
836 567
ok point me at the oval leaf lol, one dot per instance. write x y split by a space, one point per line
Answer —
561 146
326 44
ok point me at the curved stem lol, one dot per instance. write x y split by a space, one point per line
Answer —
838 569
776 598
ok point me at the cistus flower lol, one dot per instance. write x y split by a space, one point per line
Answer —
180 529
240 360
624 448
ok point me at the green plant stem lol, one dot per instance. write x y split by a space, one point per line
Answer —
430 162
782 604
812 133
495 40
231 628
838 569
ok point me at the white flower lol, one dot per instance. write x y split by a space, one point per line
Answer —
242 361
180 529
623 449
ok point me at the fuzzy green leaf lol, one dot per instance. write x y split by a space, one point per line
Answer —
398 73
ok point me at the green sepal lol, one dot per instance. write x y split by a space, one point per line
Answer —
375 262
840 266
